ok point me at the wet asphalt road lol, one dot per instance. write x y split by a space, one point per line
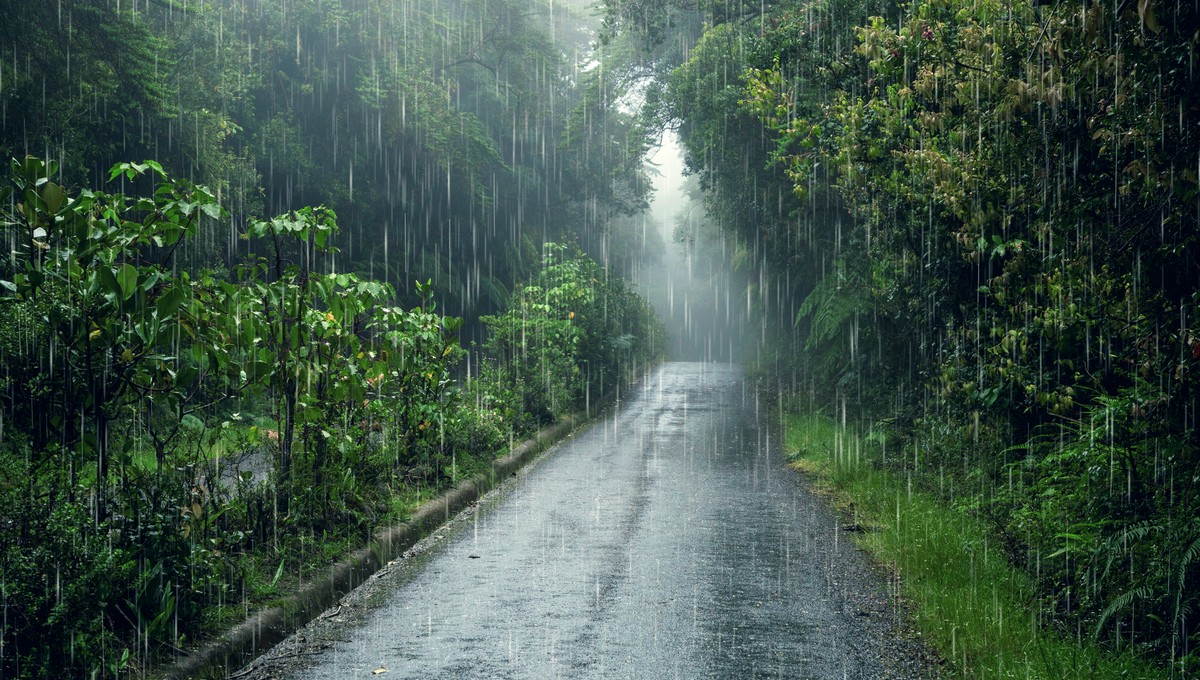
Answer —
667 540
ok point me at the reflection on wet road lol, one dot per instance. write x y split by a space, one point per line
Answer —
667 540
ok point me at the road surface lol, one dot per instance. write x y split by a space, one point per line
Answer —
668 540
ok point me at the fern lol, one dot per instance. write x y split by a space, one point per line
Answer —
1182 609
1121 543
1180 601
832 302
1121 602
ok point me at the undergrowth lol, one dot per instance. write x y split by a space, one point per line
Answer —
979 612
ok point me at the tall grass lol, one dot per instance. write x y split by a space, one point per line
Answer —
969 603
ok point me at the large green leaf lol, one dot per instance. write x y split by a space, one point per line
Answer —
53 197
109 280
127 277
169 302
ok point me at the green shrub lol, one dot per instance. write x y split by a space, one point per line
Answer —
567 337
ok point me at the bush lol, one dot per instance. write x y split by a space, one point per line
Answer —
569 336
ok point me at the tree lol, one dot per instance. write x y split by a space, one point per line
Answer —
95 292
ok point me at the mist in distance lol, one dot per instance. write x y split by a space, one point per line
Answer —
702 304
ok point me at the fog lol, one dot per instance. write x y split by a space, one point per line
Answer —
701 303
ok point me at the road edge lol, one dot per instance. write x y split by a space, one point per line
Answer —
262 630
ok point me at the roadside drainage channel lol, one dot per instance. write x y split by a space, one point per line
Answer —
266 628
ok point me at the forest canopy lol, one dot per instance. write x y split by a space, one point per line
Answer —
460 134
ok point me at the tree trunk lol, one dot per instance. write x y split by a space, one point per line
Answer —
284 484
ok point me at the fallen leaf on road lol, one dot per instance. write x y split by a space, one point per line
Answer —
379 671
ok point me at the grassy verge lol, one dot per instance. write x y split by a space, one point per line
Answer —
977 611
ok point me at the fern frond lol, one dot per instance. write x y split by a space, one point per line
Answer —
832 302
1183 608
1121 602
1189 556
1118 545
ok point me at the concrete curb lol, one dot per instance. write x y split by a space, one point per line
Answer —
264 629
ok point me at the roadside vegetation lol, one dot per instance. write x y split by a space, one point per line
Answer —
222 369
982 613
179 444
972 224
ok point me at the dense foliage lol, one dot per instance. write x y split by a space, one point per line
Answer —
200 402
571 329
443 134
173 436
977 220
124 377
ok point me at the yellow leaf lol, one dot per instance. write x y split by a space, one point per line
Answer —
329 316
94 334
1146 14
379 671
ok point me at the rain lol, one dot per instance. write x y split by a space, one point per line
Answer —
599 338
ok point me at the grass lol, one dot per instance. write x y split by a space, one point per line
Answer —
405 501
977 611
